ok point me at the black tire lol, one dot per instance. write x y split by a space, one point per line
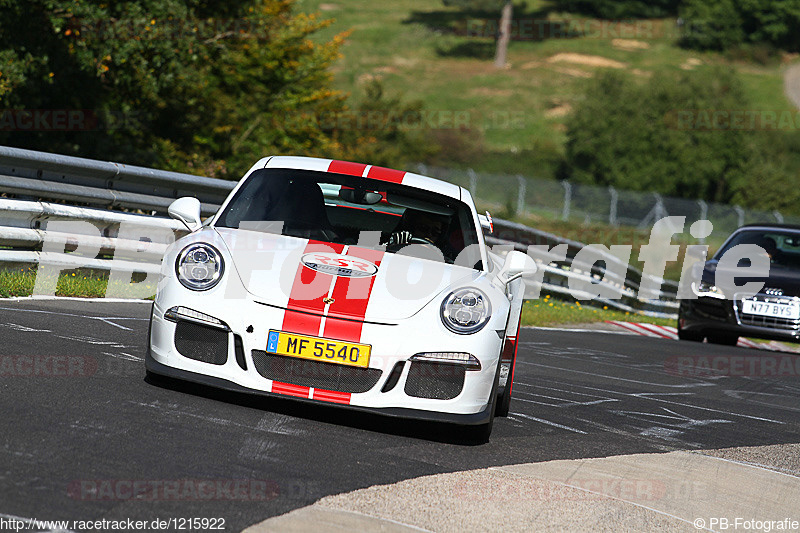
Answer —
725 339
504 398
482 433
693 336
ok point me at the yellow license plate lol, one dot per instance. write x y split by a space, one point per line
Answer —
317 349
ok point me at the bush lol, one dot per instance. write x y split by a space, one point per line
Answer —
711 25
653 137
612 9
724 24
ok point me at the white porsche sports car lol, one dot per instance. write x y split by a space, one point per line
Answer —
339 282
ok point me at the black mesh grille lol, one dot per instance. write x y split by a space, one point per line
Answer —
201 343
436 381
770 322
315 374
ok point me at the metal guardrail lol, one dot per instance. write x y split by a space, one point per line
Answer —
558 272
27 223
86 181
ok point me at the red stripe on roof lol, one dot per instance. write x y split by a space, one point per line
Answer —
332 396
345 167
351 297
308 290
386 174
290 390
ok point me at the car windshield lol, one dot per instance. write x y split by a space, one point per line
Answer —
782 246
339 208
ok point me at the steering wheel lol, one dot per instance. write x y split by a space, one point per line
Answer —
420 240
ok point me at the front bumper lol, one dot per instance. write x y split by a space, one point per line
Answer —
714 316
475 419
248 323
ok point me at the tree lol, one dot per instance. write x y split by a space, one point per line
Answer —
618 9
664 136
506 8
729 23
202 86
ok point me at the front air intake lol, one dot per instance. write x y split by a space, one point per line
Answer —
201 343
435 381
320 375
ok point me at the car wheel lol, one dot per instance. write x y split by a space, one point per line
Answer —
504 398
725 339
694 336
482 433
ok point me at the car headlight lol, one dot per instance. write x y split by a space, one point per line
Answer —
199 267
466 311
708 290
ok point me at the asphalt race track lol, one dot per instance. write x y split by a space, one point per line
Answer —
80 425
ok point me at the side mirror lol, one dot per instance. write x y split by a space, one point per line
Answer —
187 210
516 266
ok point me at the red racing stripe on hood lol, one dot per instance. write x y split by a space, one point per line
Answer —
351 297
308 291
345 167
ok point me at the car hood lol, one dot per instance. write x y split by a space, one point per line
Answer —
783 278
339 281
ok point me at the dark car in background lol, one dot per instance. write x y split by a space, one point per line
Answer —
722 315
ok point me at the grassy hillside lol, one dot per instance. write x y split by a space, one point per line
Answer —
515 115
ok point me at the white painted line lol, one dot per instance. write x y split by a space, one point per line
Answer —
58 313
87 340
110 323
124 356
41 298
577 330
18 327
647 396
547 422
593 374
770 469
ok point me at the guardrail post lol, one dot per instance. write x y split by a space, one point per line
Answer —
703 216
612 210
567 199
778 216
740 214
521 194
473 183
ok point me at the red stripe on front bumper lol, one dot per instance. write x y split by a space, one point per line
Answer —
290 390
332 396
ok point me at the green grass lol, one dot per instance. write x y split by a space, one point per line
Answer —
547 311
79 283
410 46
